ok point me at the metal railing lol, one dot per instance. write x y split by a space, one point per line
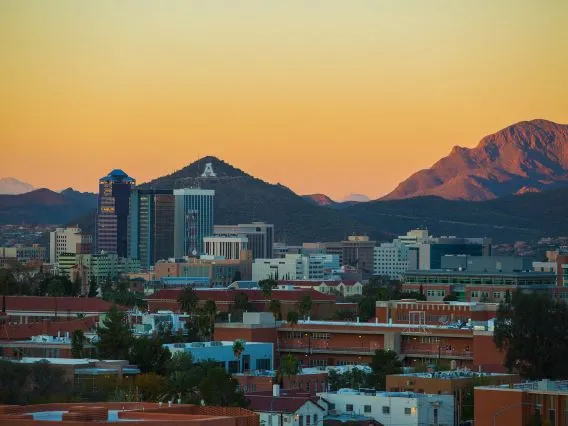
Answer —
329 348
433 353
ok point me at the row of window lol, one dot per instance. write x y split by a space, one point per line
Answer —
436 293
386 409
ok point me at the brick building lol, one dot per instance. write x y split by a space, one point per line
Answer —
519 404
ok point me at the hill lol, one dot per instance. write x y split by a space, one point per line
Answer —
529 216
529 156
13 186
43 206
319 200
242 198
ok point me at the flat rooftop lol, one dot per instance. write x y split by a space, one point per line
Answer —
213 344
377 393
476 325
548 386
452 374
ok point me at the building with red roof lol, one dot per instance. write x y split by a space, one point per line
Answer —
323 305
30 309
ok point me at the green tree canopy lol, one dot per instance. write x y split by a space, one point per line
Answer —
292 317
289 366
383 363
114 336
276 308
532 332
305 305
219 388
188 300
149 355
77 344
266 286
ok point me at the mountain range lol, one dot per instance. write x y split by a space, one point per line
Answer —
13 186
514 171
529 156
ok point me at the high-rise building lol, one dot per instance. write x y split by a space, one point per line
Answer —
68 240
193 220
112 213
260 237
358 253
391 259
228 247
151 226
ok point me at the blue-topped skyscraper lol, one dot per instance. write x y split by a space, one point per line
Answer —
112 213
193 220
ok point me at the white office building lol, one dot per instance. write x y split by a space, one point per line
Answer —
68 240
226 246
391 259
392 408
291 267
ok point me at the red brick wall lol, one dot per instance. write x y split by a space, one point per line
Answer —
490 402
486 355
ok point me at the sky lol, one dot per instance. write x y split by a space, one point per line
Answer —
323 96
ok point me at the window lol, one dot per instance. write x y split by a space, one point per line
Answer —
407 411
308 418
367 408
301 420
386 409
349 408
263 364
315 420
331 406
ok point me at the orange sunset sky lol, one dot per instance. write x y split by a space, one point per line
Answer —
322 96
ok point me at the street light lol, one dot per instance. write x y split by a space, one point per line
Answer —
498 413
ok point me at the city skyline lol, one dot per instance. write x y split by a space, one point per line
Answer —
297 93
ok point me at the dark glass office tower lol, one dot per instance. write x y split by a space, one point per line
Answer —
112 213
151 226
193 220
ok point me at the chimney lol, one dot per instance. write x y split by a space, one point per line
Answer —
275 391
357 319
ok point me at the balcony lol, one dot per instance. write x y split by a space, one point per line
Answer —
328 349
415 352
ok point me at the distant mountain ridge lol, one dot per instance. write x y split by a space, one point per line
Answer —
529 156
13 186
319 199
43 206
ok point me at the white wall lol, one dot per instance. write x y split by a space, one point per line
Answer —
308 409
402 411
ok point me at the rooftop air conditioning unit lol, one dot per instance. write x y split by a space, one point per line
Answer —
197 345
216 343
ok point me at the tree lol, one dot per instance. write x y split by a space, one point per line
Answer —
452 297
150 385
77 344
93 288
292 317
383 363
266 286
241 302
236 276
114 336
13 378
305 305
209 312
238 349
344 315
354 378
276 308
289 367
220 388
149 355
47 381
188 300
534 348
367 309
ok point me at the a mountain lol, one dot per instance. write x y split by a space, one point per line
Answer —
355 198
529 156
241 198
13 186
43 206
527 217
319 200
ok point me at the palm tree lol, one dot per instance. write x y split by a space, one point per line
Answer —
188 300
292 317
210 310
289 366
266 286
238 349
275 307
305 306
